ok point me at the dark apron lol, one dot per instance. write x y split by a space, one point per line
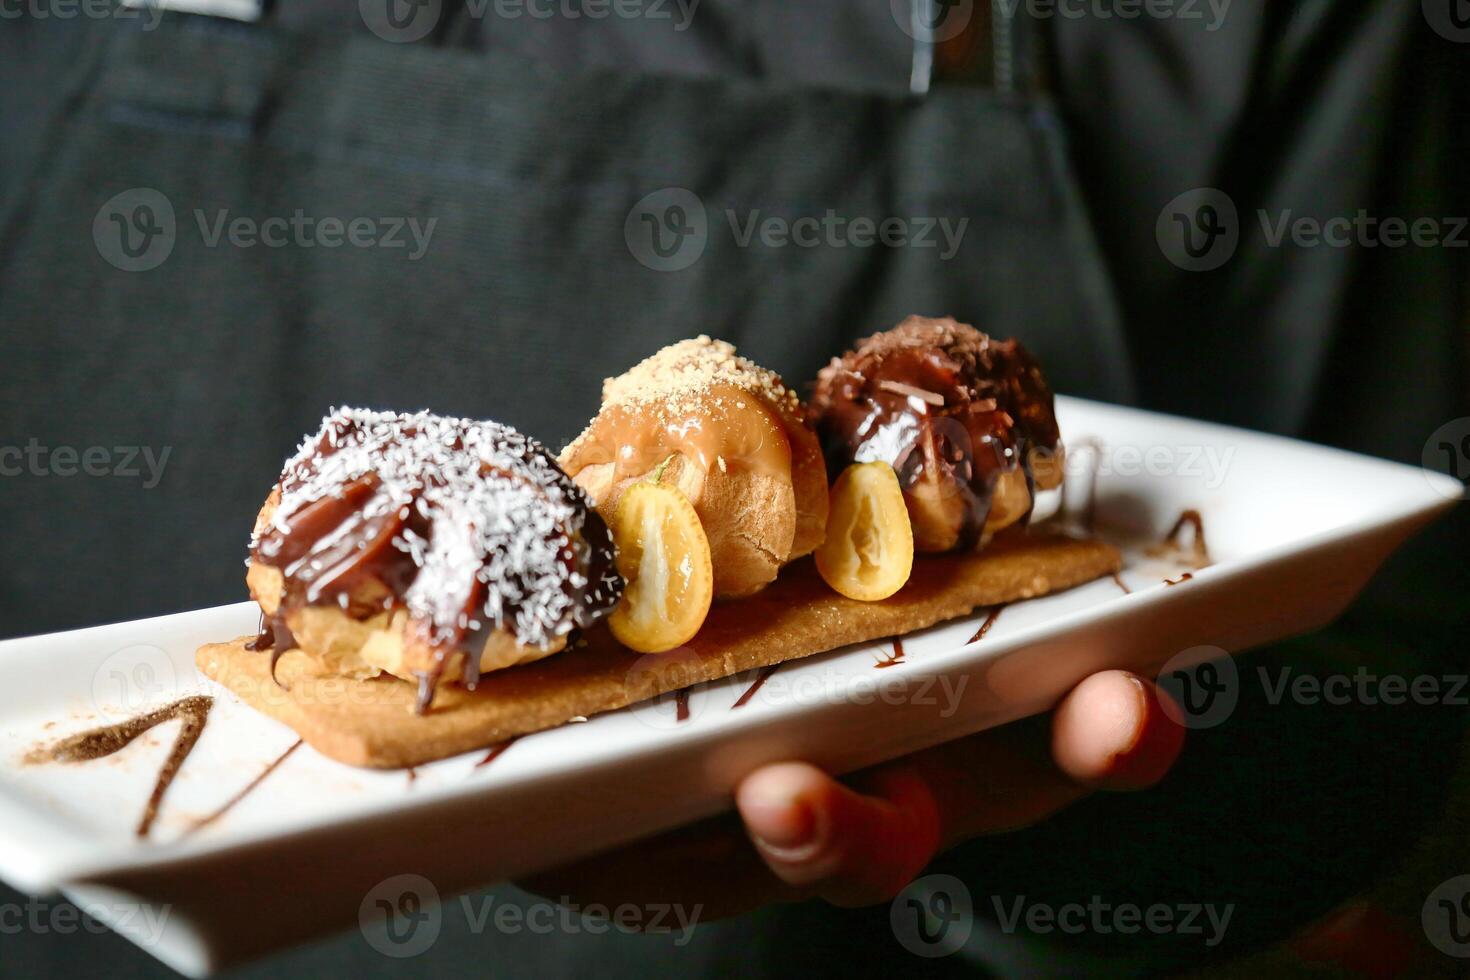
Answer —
531 290
542 275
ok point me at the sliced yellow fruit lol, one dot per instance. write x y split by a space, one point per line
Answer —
664 556
869 550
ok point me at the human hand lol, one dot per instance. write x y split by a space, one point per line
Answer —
799 833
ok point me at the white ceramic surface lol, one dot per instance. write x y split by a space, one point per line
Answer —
1295 531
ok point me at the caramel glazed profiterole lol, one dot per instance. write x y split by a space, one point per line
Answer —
967 422
426 547
731 437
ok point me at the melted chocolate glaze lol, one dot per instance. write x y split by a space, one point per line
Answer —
937 397
760 679
250 787
99 743
494 752
989 622
895 659
469 526
1190 518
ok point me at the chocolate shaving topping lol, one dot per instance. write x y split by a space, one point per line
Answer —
468 526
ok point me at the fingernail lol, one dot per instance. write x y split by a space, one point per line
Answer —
778 818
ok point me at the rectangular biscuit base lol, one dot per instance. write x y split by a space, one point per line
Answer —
371 723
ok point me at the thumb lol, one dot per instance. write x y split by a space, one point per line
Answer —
823 838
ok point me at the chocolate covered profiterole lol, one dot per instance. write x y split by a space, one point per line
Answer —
966 422
427 547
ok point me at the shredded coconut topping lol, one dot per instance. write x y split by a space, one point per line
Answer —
476 507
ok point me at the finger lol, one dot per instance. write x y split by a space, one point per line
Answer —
1111 732
851 848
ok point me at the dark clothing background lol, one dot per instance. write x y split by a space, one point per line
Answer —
523 137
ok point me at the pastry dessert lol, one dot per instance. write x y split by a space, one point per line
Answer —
402 556
430 548
731 437
966 422
798 615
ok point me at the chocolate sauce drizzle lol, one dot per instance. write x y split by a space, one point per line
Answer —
494 752
940 402
681 705
1180 580
99 743
1118 580
1190 518
250 787
760 679
468 526
273 635
895 659
989 622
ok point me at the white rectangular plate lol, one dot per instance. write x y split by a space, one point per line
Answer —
1295 531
